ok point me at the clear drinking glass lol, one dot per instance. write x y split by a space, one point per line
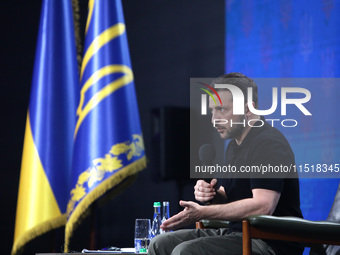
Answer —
142 234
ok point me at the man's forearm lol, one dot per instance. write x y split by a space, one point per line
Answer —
238 210
232 211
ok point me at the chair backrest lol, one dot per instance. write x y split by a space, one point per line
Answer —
334 216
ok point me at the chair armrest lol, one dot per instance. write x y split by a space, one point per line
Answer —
212 224
296 226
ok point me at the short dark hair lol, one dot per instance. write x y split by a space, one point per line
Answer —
242 82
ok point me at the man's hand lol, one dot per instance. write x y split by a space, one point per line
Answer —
189 215
204 191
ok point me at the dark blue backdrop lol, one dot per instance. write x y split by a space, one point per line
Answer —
295 39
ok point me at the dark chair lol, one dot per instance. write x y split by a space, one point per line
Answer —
322 236
212 224
297 230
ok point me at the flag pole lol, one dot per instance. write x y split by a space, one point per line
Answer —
53 241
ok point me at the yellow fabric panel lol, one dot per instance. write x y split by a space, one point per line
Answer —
36 201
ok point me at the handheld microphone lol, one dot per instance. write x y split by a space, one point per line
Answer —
207 155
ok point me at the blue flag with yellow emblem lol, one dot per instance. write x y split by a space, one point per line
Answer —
108 144
51 119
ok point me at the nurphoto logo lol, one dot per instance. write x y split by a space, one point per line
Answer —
239 101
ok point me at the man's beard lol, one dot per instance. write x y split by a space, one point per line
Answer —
236 130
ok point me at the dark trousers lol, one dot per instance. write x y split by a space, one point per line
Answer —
204 242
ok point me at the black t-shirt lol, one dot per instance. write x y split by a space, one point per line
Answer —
264 147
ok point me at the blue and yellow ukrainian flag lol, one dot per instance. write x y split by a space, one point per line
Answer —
51 119
108 143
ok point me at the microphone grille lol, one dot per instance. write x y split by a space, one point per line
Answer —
207 153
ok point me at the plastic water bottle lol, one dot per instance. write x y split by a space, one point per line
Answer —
166 214
157 222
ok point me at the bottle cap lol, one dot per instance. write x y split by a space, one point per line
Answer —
142 250
157 204
165 203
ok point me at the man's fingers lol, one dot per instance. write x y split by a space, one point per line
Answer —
174 222
204 199
202 183
185 203
172 219
205 194
213 182
205 189
171 226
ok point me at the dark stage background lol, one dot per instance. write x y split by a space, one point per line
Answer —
170 41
